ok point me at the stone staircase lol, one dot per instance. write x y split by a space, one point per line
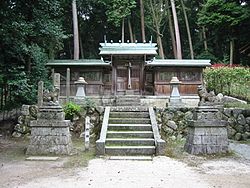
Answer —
129 132
129 129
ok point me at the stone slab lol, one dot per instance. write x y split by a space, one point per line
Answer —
133 158
41 158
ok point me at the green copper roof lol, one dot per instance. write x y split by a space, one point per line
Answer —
179 63
128 49
81 62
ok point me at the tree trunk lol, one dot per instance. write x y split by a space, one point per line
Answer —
177 32
81 47
204 38
171 29
130 31
231 52
123 30
159 41
142 21
75 29
188 30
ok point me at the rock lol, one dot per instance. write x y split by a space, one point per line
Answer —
239 128
100 109
238 136
231 132
167 116
248 120
167 130
188 115
232 121
227 99
220 96
237 111
172 125
228 112
246 112
247 128
241 119
245 136
16 134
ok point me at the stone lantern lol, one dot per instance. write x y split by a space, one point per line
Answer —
80 84
175 98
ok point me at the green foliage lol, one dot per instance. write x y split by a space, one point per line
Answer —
118 9
229 81
71 109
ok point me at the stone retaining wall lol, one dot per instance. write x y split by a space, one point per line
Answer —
173 122
238 123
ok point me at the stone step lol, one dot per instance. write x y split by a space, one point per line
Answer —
129 114
128 103
133 127
132 158
131 108
130 150
129 120
130 134
130 142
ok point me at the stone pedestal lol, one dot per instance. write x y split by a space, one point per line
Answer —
207 133
50 132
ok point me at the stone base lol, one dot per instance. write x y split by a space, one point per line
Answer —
207 138
50 140
50 132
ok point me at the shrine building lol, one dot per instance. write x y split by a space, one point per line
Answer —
130 69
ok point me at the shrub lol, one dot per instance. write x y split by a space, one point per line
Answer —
71 109
234 81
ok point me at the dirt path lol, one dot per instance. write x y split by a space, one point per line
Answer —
162 172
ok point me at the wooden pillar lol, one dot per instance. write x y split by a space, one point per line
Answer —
68 85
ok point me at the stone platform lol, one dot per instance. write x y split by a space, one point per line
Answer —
207 132
50 132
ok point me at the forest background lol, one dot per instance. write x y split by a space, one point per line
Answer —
33 31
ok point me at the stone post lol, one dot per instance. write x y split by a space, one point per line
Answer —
86 135
40 94
56 82
175 98
68 85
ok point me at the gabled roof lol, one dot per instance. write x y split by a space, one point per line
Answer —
179 63
128 48
81 62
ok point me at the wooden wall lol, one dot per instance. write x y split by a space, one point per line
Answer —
190 78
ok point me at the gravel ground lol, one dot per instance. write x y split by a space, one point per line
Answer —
161 172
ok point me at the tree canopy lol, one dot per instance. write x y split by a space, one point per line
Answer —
32 31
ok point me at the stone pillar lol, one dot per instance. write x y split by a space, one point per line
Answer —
56 82
175 97
68 85
40 94
207 133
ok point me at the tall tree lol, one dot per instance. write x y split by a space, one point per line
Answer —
157 11
171 29
75 30
188 30
177 32
142 20
224 18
